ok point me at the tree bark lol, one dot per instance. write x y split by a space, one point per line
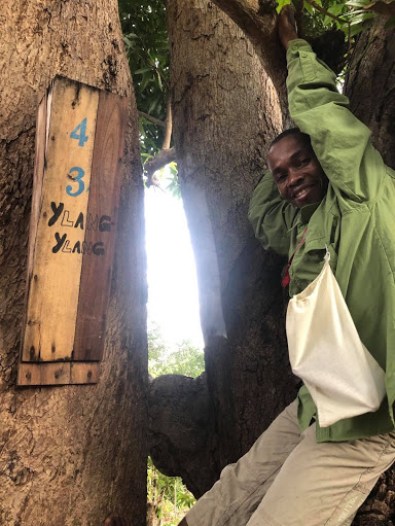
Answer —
370 86
70 455
257 20
181 422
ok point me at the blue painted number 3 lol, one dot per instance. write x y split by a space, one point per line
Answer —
79 132
76 174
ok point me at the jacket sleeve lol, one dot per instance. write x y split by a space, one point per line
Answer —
340 141
270 216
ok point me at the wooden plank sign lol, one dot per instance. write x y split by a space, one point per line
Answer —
79 144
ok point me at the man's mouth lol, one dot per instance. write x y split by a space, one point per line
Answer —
302 193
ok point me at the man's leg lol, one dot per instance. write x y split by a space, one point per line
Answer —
237 493
324 484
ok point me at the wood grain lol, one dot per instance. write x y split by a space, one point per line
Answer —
104 197
55 277
60 373
79 145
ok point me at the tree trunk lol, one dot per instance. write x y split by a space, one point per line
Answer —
69 455
371 86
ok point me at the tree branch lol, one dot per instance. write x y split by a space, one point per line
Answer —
166 155
163 157
325 12
168 126
258 20
152 119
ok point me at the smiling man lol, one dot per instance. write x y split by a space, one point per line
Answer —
295 168
327 189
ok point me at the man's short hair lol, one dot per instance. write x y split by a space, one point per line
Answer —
291 131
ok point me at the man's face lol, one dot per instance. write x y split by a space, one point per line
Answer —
299 177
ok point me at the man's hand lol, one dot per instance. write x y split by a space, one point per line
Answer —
287 30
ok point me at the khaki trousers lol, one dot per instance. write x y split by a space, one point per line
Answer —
287 479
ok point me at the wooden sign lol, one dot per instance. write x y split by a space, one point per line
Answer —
79 144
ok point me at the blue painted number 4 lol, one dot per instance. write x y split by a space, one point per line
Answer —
79 133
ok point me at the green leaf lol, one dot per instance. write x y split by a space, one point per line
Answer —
336 9
281 4
360 18
309 8
142 70
360 4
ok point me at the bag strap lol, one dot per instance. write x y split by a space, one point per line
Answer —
286 278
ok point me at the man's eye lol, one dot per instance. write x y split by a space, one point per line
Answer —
302 162
280 177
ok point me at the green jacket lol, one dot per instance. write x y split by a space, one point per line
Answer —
355 220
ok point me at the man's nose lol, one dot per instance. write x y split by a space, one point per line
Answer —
295 177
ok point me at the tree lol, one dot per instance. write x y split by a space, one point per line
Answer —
224 115
71 454
185 359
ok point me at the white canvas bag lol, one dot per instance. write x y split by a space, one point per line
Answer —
326 352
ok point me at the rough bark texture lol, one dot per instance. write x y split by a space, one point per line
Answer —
257 19
379 507
371 86
68 455
225 111
181 423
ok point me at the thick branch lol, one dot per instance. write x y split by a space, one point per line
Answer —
181 430
163 157
257 19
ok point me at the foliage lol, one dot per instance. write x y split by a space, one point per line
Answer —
166 179
185 359
145 34
350 16
168 498
331 26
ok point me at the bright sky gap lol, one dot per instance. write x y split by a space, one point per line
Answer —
173 301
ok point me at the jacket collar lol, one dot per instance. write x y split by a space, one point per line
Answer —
307 211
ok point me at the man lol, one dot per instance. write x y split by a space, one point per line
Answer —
328 188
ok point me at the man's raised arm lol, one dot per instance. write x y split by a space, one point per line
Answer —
271 217
340 141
